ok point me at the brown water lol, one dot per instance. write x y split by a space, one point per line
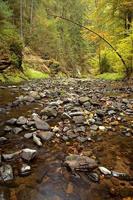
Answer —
49 179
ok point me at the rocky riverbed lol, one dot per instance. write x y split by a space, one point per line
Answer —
66 139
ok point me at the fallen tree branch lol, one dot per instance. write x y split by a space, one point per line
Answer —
105 40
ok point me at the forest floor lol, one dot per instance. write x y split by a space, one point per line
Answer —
60 117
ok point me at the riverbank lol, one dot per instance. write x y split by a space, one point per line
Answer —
84 117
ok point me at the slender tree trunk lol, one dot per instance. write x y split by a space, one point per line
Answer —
21 19
31 15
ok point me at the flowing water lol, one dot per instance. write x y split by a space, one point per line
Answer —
49 179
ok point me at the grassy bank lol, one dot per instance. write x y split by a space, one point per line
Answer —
16 76
111 76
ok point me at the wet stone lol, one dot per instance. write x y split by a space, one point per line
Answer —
3 140
83 99
28 154
28 135
79 119
7 128
11 121
42 125
93 177
82 139
25 170
21 120
79 129
80 163
49 111
6 173
45 135
111 112
94 127
17 130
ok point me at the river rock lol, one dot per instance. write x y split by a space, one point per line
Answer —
111 112
3 140
42 125
25 170
7 128
21 120
102 128
94 127
2 110
49 111
28 154
80 163
93 177
11 121
6 173
82 139
17 130
28 135
83 99
104 171
79 119
29 99
45 135
10 156
37 140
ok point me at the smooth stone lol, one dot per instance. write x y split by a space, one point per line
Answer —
83 99
102 128
93 177
78 113
80 163
56 129
25 170
30 123
17 130
82 139
42 125
28 154
7 128
94 127
79 119
100 113
6 173
11 121
28 135
3 140
21 120
111 112
10 156
2 110
65 138
49 111
29 99
104 171
79 129
45 135
37 140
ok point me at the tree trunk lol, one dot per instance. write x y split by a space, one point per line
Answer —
21 19
31 15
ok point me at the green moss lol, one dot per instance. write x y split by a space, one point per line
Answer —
2 78
111 76
34 74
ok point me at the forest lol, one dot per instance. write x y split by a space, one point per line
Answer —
81 38
66 100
